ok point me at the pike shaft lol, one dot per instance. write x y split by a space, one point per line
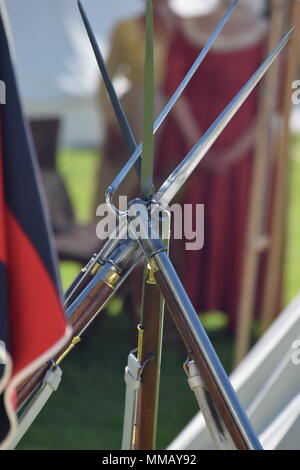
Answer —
152 320
148 141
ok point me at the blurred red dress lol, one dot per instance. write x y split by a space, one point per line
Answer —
212 276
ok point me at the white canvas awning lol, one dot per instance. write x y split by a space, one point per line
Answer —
56 69
267 383
54 60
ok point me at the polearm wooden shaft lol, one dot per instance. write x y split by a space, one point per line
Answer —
82 316
152 320
257 238
152 303
89 303
278 224
146 179
151 345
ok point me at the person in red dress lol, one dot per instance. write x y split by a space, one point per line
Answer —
212 276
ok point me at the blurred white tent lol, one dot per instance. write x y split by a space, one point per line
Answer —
55 64
267 383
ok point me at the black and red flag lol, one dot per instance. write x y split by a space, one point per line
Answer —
32 322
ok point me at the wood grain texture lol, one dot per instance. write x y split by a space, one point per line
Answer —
260 189
280 199
84 313
148 394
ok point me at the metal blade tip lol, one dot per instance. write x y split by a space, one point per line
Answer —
80 6
292 30
288 35
282 43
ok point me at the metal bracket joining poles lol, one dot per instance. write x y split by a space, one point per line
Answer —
133 373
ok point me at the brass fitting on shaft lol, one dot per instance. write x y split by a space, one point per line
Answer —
74 341
111 278
150 275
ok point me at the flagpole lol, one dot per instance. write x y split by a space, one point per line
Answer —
279 210
257 238
151 323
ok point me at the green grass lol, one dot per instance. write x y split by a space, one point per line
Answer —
78 168
87 410
292 261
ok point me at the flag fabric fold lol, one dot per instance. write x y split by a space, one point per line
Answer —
33 326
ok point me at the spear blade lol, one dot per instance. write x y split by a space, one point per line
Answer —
118 109
183 171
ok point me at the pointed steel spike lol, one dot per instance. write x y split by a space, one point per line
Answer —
120 114
169 106
180 175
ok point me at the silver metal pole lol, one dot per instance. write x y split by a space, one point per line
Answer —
173 282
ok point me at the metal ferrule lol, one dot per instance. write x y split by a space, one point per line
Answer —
91 263
120 233
123 253
119 259
150 275
215 424
125 258
113 264
111 277
95 268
